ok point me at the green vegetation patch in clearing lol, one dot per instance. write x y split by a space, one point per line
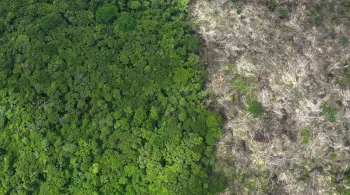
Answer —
255 107
329 112
305 135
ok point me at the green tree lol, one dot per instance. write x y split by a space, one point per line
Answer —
111 105
124 22
50 21
106 14
2 27
135 4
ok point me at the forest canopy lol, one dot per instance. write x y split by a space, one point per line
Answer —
103 97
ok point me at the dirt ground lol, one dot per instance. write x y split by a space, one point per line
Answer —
298 140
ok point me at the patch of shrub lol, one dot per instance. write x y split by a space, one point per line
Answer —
305 136
283 11
329 112
255 108
272 5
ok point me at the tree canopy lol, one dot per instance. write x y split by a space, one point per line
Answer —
103 97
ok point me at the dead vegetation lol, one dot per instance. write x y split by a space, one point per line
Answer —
289 59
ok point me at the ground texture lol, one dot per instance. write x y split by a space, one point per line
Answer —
276 72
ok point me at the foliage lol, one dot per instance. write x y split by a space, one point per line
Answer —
107 13
345 78
97 97
125 22
315 16
2 27
347 177
135 4
272 5
329 112
50 21
344 40
334 156
283 11
254 107
346 180
241 83
305 135
329 10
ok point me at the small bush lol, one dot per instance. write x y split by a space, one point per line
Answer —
331 6
345 78
346 181
305 135
344 40
347 177
335 18
240 83
254 108
329 112
283 12
272 5
305 174
315 16
334 156
333 32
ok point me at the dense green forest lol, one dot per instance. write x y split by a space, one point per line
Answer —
103 97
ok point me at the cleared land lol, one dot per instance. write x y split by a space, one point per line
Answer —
279 72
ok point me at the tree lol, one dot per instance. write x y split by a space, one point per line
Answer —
50 21
124 22
106 14
135 5
2 27
111 105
